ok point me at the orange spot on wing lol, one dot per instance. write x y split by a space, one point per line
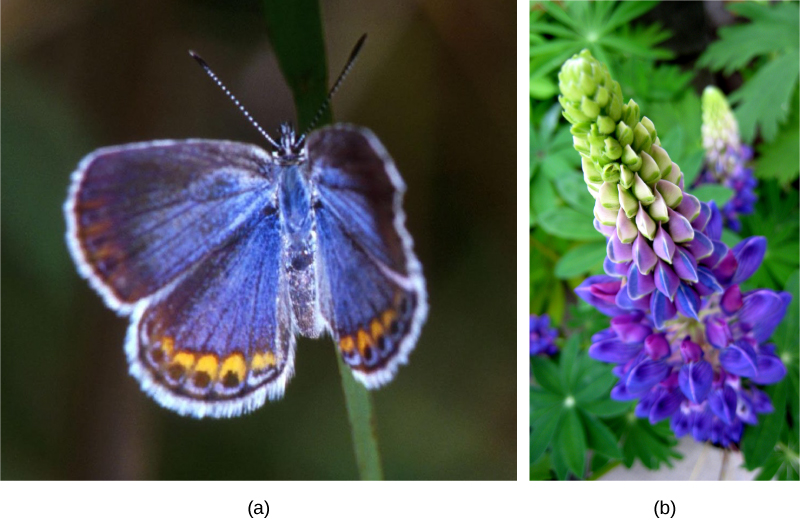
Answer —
364 340
346 344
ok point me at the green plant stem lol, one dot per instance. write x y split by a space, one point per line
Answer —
362 425
295 31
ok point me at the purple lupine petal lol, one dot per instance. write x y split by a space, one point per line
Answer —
726 268
690 351
744 409
628 331
626 229
624 301
739 359
645 374
731 300
761 401
644 223
749 254
617 270
762 310
701 425
666 281
642 409
663 245
700 246
714 227
600 292
602 228
716 256
707 283
701 221
643 255
717 332
639 284
656 346
620 393
684 265
695 380
666 405
723 403
680 423
662 309
689 207
770 370
679 227
614 351
617 251
687 301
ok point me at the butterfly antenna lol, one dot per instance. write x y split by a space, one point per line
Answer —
219 83
350 61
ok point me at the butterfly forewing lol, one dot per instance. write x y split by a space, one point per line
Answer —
372 292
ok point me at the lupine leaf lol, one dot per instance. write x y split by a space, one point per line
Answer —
600 438
716 192
758 441
547 375
542 431
571 442
581 259
780 159
567 223
607 407
772 32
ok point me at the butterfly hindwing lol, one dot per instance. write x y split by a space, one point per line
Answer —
221 341
372 292
141 214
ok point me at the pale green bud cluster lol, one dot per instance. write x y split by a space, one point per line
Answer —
720 128
631 177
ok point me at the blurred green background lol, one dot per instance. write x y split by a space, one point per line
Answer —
436 83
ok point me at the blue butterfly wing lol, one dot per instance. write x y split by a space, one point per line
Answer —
139 215
221 341
185 236
372 291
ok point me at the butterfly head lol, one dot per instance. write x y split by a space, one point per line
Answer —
289 145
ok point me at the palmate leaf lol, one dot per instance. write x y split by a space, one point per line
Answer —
780 159
764 100
651 444
602 27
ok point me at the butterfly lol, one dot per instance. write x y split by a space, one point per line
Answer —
221 253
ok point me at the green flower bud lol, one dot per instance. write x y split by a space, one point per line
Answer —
602 96
612 150
615 107
608 196
720 128
645 224
658 209
651 128
580 144
626 177
581 129
630 113
590 171
631 159
624 134
674 175
605 216
626 229
590 108
628 202
649 171
641 138
641 191
662 159
605 125
672 194
573 114
611 172
593 187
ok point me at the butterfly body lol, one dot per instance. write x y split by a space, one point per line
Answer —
221 253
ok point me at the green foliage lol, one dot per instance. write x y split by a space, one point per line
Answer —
780 159
772 443
777 218
602 27
571 413
771 36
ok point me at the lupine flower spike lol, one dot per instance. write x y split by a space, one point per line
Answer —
686 341
726 157
542 336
